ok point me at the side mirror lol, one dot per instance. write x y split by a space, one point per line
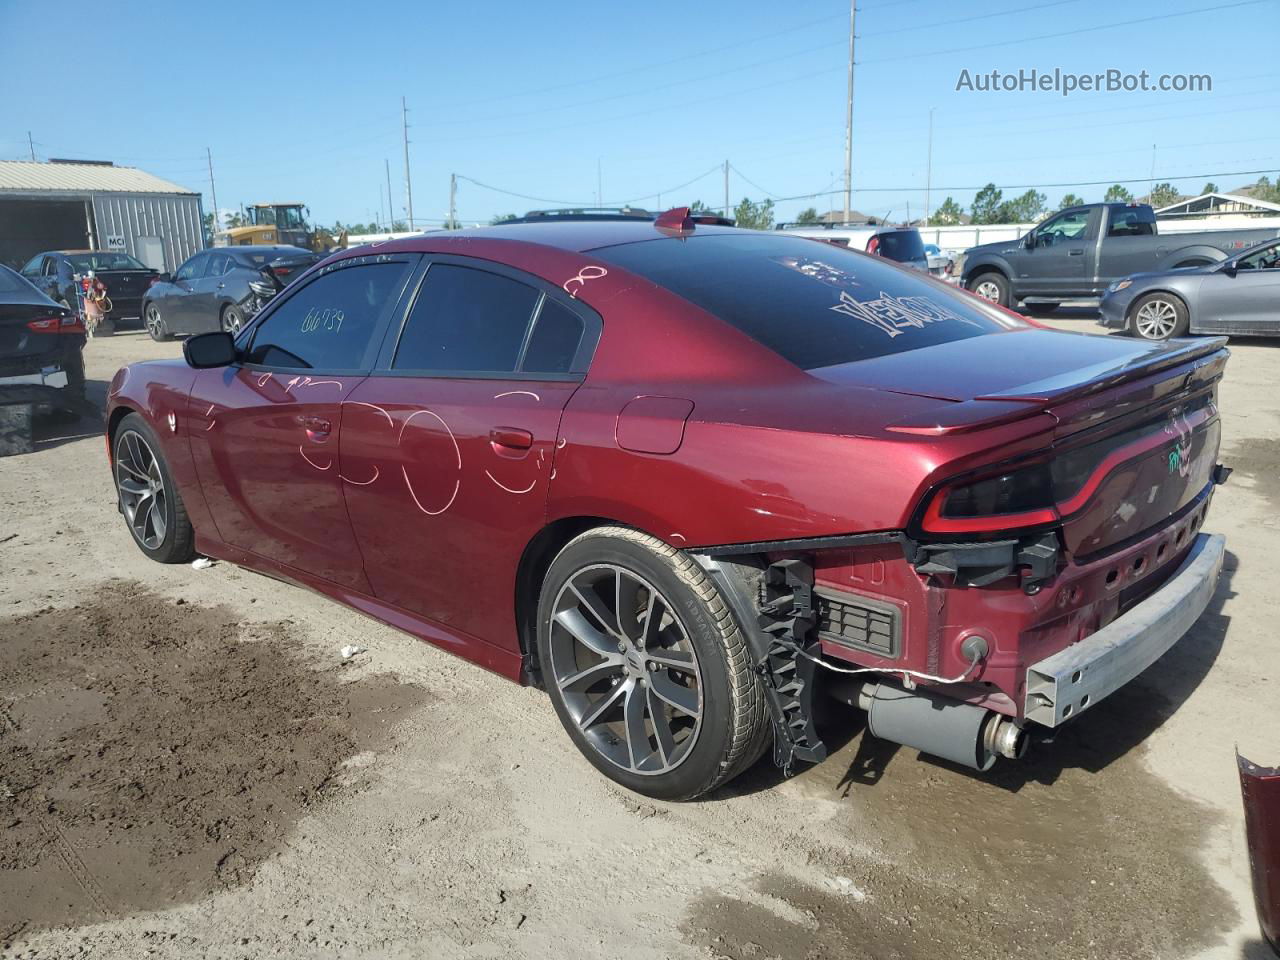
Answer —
209 350
1029 241
164 278
1229 269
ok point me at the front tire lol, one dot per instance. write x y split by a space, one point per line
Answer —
148 497
1159 316
991 286
155 324
646 666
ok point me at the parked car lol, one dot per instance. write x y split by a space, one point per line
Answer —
1079 252
1241 295
941 262
671 471
41 347
215 289
900 244
56 273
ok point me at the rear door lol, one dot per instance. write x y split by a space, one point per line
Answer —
449 446
204 303
265 433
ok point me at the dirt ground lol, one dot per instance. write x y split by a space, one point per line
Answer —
188 768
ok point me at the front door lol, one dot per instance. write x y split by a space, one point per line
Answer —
448 449
205 301
1058 259
1247 301
266 433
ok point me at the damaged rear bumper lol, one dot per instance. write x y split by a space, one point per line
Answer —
1063 685
1260 787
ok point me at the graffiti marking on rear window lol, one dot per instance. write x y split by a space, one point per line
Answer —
895 315
824 273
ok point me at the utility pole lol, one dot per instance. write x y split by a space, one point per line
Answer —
391 211
31 146
1151 184
453 198
217 220
408 182
726 189
928 169
848 120
379 216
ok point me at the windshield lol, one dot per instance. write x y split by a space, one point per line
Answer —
814 304
97 262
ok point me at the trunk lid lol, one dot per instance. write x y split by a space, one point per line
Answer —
126 284
1136 436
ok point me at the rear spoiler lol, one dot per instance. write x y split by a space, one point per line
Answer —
1104 376
1208 355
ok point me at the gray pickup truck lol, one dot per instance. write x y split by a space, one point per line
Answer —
1079 251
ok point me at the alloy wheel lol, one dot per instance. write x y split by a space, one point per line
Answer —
231 321
142 492
988 290
626 669
1156 319
155 326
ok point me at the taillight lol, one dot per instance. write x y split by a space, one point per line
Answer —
1018 498
282 271
68 324
873 245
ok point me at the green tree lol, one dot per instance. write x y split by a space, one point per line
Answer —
399 226
1209 187
698 207
808 215
502 218
986 205
754 216
1024 209
1070 200
948 214
1163 194
1117 194
1264 189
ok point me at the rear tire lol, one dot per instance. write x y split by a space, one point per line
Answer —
149 500
646 666
154 322
992 286
232 320
1159 316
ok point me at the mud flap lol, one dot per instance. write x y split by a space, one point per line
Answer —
1261 789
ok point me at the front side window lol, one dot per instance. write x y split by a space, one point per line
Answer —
466 321
1063 227
329 324
193 268
1268 258
815 305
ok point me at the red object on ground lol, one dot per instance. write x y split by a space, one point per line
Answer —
1260 787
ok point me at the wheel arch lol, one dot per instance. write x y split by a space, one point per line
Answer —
1168 291
987 265
118 413
1198 254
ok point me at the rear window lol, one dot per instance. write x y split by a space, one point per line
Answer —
814 304
901 245
10 282
84 262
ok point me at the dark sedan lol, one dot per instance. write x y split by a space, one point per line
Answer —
55 274
40 347
220 289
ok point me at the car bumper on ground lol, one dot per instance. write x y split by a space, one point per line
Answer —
1061 686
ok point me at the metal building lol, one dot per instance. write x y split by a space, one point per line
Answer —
77 204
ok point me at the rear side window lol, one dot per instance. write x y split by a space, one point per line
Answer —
1131 222
901 245
329 323
466 321
557 333
814 304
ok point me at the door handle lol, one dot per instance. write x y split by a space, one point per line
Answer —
318 428
513 438
1075 253
221 285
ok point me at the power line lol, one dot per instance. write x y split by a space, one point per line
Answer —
1070 33
581 203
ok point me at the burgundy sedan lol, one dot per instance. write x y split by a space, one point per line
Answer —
674 472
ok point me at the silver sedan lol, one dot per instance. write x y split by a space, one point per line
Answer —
1240 295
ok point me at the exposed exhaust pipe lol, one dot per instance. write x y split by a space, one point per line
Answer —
959 732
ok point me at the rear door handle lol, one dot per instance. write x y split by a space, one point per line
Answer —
1075 253
513 438
318 428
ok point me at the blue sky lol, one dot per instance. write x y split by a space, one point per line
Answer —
301 102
